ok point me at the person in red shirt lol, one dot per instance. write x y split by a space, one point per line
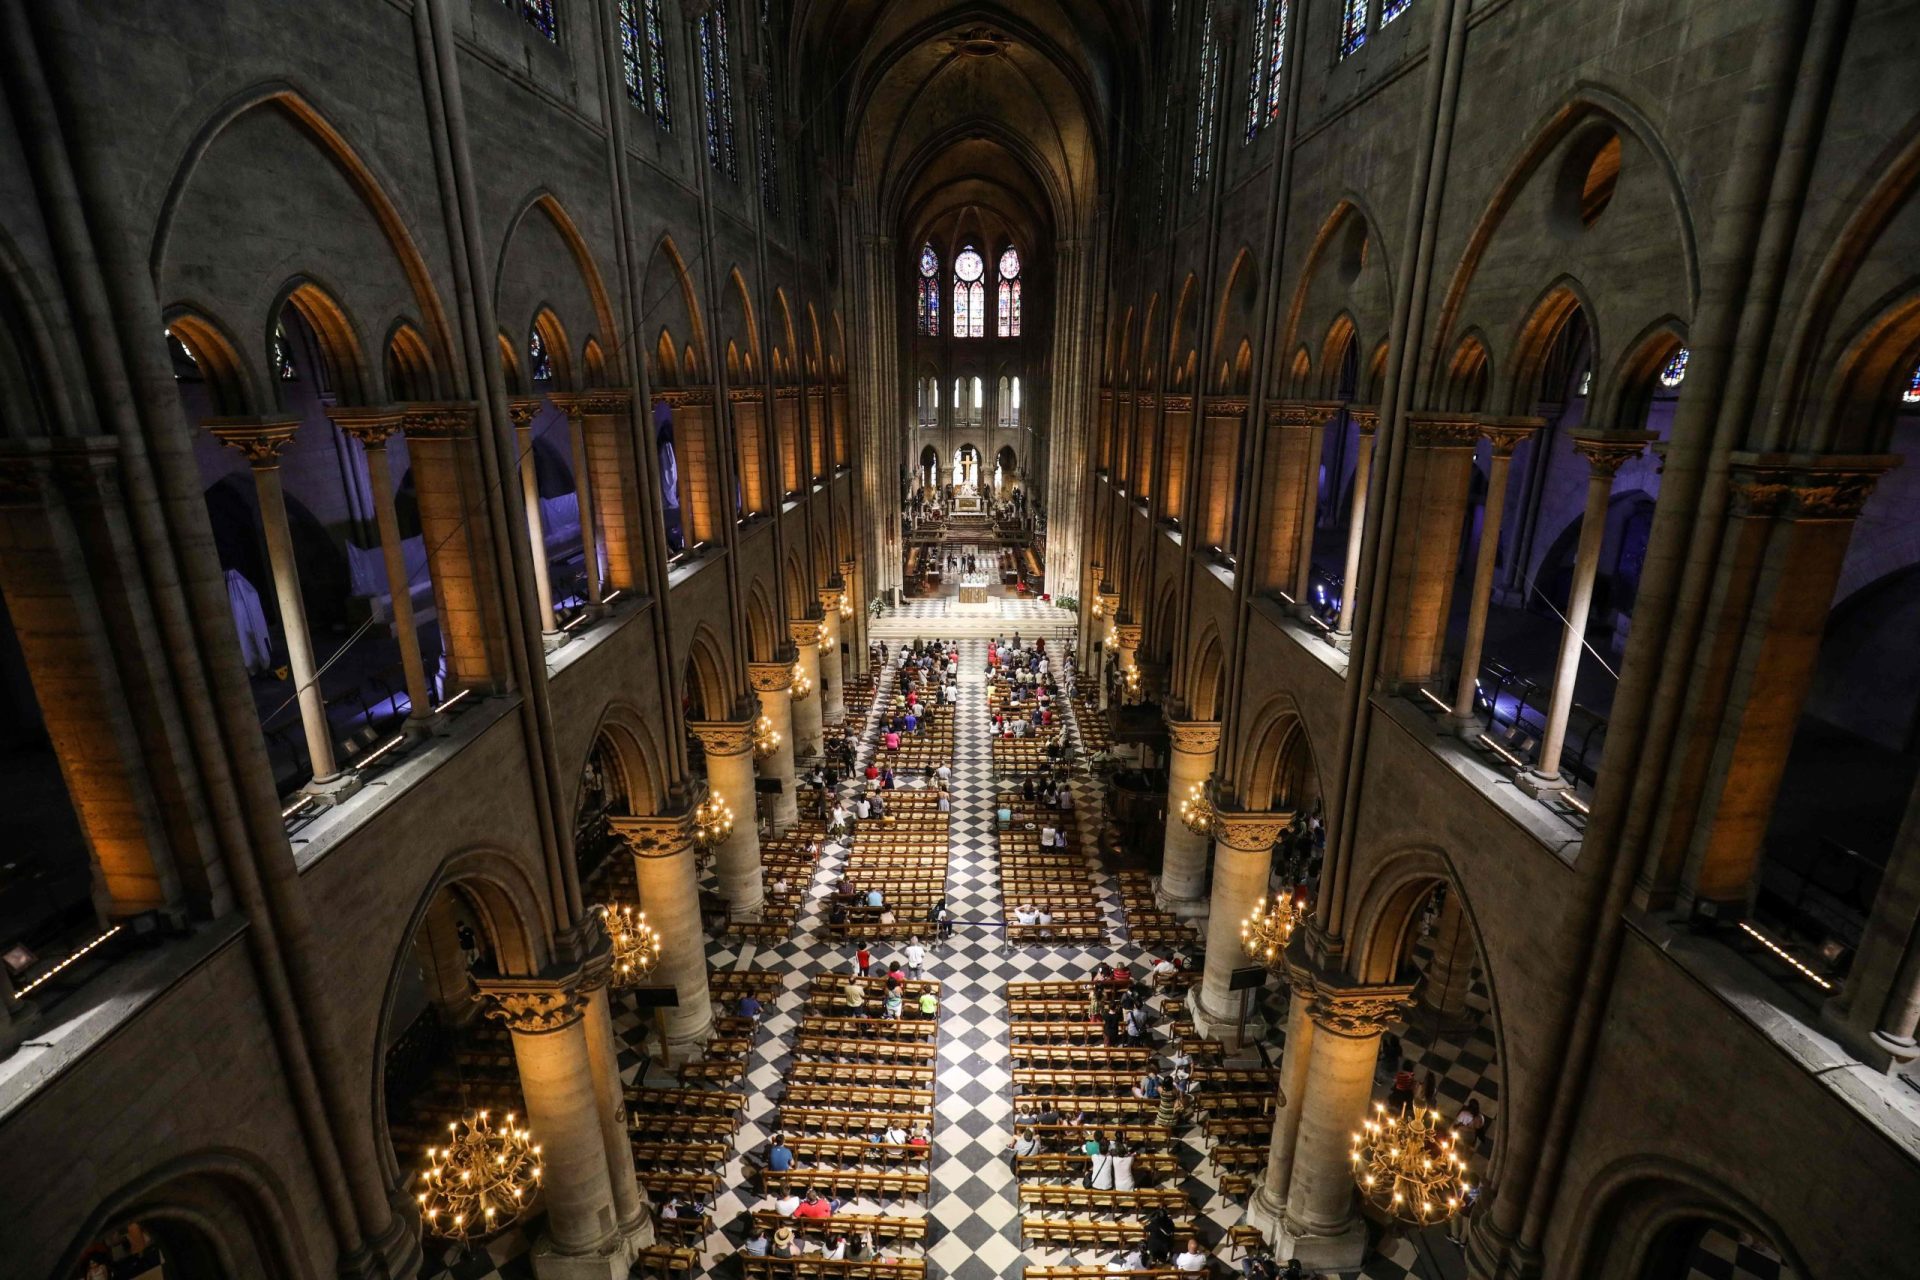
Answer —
863 959
813 1206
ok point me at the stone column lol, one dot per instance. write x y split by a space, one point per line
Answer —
1183 865
1292 469
467 593
1309 517
1605 453
1367 419
1242 854
575 408
736 860
1426 552
545 1015
773 685
261 441
833 694
522 412
1814 501
631 1212
1322 1225
855 632
669 888
1878 1010
1268 1204
1128 654
372 427
443 967
607 425
1505 434
806 709
1450 973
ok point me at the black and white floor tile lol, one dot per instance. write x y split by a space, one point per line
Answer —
972 1207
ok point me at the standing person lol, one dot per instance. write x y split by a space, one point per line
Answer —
1159 1230
1400 1097
916 957
1110 1023
863 959
893 1001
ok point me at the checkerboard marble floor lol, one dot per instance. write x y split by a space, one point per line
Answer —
972 1206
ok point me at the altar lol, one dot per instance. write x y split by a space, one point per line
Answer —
967 500
973 596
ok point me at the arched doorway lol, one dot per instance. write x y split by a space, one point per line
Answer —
1005 471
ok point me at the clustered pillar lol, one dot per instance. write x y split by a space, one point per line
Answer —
807 721
669 889
1243 855
1505 436
1306 1204
1366 421
833 705
1183 866
773 685
522 412
736 860
547 1018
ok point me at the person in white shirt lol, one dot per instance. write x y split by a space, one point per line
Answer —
837 1251
1194 1259
916 958
897 1136
1123 1172
1046 837
1100 1177
786 1204
944 774
780 884
1025 915
862 808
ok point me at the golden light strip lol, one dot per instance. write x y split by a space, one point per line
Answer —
1577 802
1503 753
1780 951
1429 695
455 699
69 960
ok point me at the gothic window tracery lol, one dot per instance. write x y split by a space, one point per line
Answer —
1675 371
927 304
542 15
1391 9
716 84
969 294
1353 27
643 59
1208 82
1008 325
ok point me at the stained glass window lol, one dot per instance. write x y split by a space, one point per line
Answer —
1276 58
657 67
969 294
769 152
630 56
1391 9
927 317
542 15
1009 312
1353 27
716 84
1209 81
1912 394
538 358
1256 101
1675 371
283 357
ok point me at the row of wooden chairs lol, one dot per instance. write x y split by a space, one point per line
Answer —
884 1226
876 1184
755 1267
1091 1233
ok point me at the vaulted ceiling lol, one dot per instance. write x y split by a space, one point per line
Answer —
989 115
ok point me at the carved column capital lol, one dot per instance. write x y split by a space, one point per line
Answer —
685 397
1354 1011
438 419
805 630
1194 737
1225 407
1298 415
371 425
521 409
1129 634
1366 418
723 737
831 598
1445 430
770 677
259 440
664 835
1607 451
1507 433
1249 831
1806 487
535 1006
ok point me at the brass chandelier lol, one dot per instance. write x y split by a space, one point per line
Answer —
636 944
1407 1166
712 822
482 1181
802 683
1265 933
1196 811
766 739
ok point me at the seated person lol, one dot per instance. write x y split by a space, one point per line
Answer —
813 1206
1025 915
786 1204
748 1007
780 1155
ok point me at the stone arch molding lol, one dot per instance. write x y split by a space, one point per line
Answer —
396 281
229 1196
518 303
1631 1202
1551 256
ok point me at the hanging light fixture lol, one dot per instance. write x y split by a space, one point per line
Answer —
1408 1166
712 822
802 683
1196 811
482 1181
766 739
1132 674
846 607
1265 933
636 944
